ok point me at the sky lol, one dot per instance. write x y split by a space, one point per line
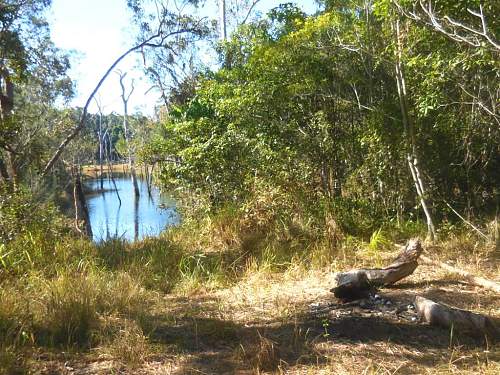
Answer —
97 32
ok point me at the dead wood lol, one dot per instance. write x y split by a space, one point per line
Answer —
479 281
461 320
357 283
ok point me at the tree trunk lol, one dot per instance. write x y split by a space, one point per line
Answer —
4 174
81 209
131 164
149 178
358 283
111 177
7 169
412 156
223 20
101 149
461 320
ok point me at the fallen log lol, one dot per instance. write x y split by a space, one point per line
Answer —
461 320
358 283
479 281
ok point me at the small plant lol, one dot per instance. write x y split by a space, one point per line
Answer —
378 242
325 323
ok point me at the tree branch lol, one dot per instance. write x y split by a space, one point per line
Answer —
451 27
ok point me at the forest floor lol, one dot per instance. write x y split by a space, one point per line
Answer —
290 323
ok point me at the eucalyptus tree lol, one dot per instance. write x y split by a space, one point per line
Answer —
233 14
32 77
169 62
447 54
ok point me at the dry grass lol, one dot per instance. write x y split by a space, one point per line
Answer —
264 324
93 171
240 303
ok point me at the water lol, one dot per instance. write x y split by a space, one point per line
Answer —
135 218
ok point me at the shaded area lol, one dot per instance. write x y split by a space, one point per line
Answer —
214 345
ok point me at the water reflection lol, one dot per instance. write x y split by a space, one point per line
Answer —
133 219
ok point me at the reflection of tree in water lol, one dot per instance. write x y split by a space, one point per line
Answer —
118 219
105 209
146 217
136 217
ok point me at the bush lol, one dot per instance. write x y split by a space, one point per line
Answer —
20 213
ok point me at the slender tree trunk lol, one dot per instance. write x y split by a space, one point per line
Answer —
131 164
7 169
223 20
101 150
4 174
110 174
81 209
149 178
412 155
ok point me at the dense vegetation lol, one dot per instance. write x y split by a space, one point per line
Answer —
317 142
311 105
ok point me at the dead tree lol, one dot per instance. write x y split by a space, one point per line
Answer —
358 283
126 130
110 167
101 143
157 40
80 204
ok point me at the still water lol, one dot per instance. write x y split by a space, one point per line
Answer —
133 219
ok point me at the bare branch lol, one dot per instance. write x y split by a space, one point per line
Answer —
451 28
249 12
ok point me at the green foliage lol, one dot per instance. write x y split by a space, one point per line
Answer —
21 214
310 104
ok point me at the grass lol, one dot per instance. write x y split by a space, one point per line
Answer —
229 293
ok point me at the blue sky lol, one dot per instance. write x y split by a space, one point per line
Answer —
98 31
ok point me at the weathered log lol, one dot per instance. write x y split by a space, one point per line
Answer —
357 283
479 281
461 320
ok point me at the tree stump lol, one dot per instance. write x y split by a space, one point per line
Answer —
358 283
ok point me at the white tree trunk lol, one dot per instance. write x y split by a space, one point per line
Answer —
412 156
131 164
223 20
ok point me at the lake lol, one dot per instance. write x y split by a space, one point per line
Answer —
133 219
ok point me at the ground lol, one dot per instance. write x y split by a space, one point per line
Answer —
290 323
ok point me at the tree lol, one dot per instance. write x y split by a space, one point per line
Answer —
32 77
126 130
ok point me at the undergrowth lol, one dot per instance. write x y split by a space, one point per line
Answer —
59 290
